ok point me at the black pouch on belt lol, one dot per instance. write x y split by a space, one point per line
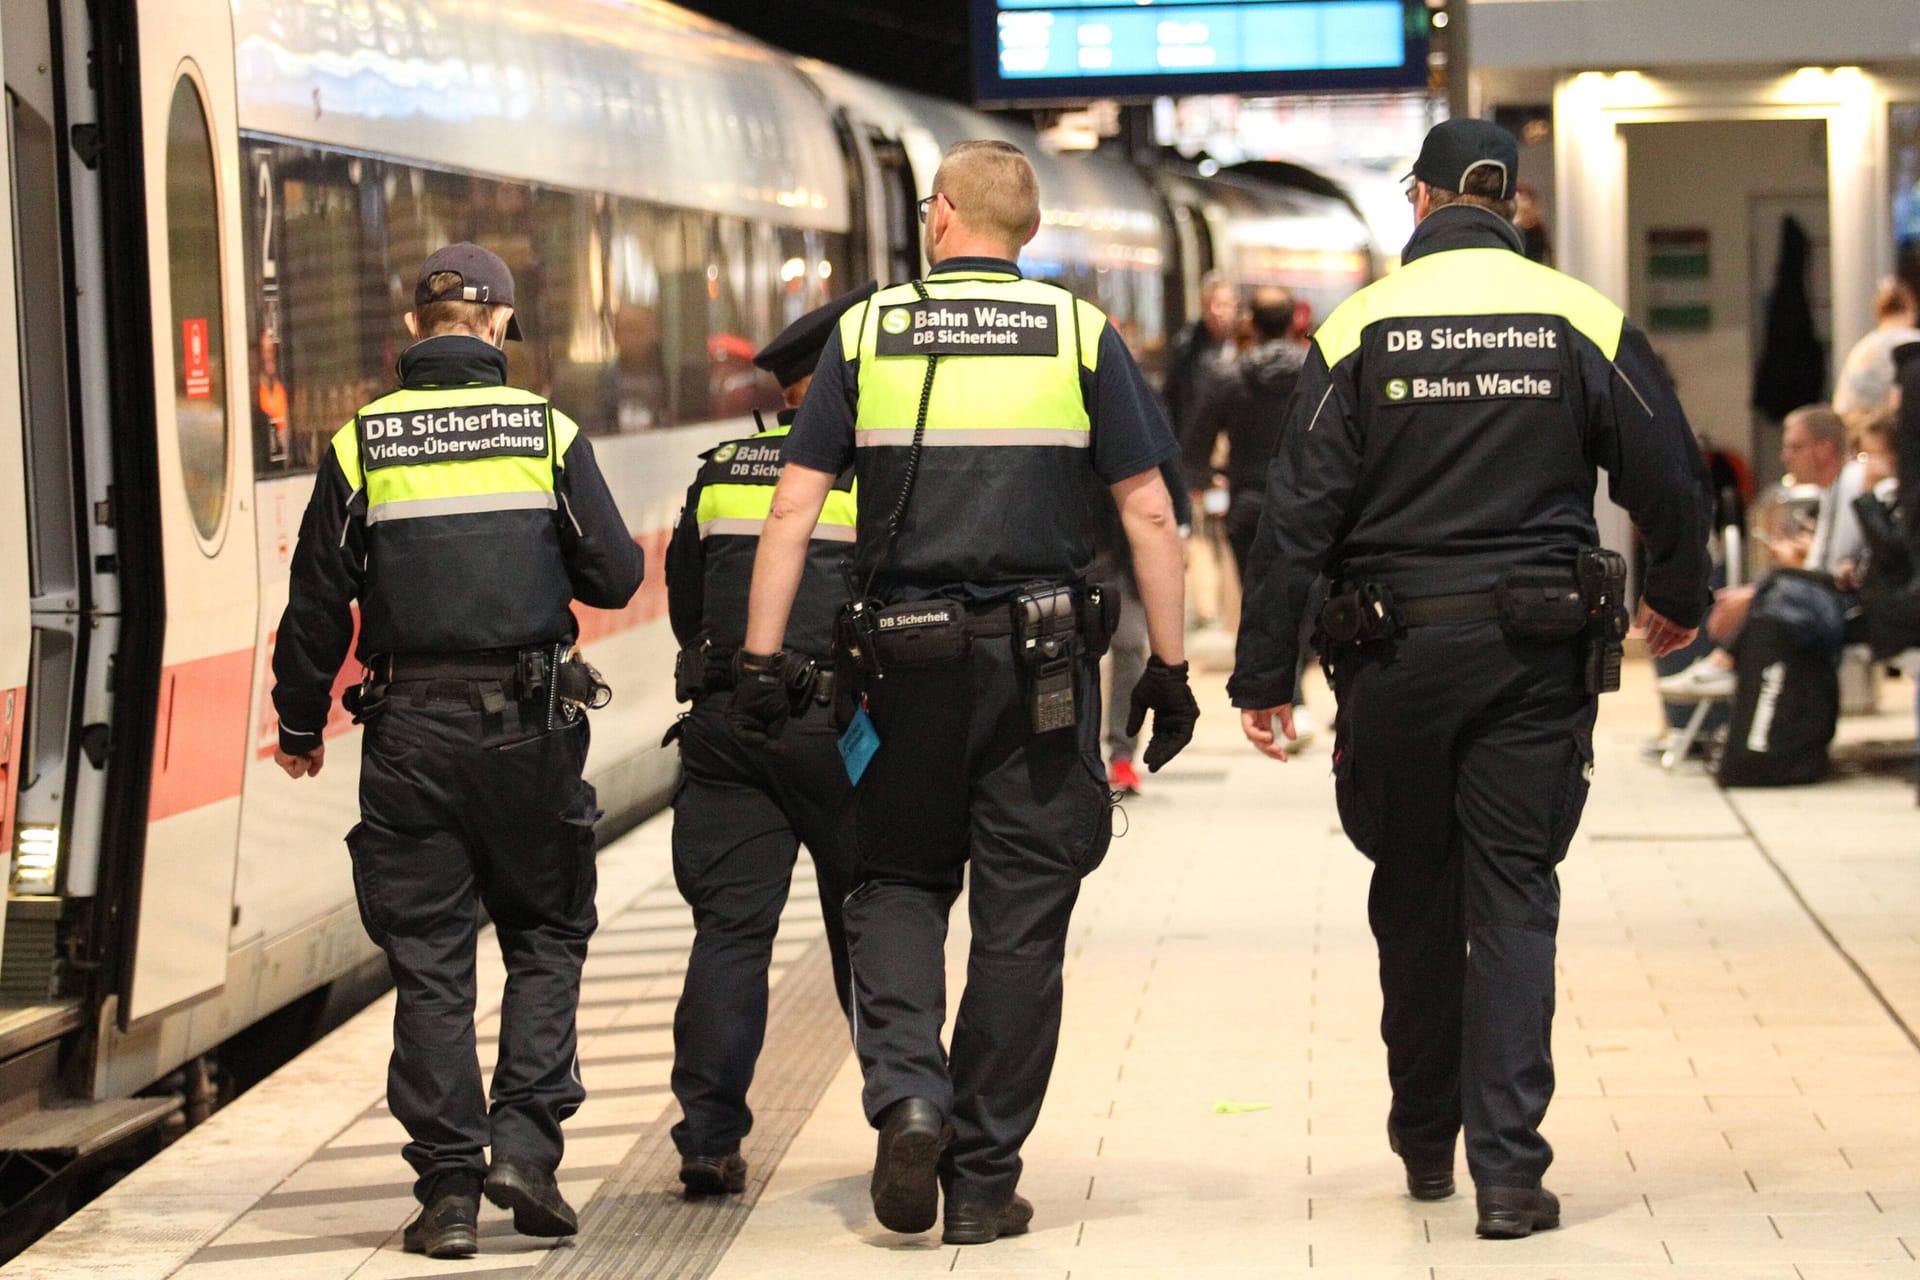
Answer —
1540 605
926 633
1099 613
1603 589
1365 615
690 671
1045 627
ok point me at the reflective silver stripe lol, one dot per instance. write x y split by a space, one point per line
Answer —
738 527
465 504
1058 437
754 528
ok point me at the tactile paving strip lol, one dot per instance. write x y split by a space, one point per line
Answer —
639 1226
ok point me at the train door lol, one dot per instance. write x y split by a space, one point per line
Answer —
16 627
53 794
898 208
203 450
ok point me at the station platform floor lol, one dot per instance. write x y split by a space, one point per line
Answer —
1739 1075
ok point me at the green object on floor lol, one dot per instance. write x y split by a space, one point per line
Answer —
1239 1108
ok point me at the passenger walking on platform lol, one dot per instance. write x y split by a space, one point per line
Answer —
1439 465
741 814
981 411
1246 402
1201 354
464 515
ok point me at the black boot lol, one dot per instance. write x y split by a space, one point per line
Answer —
906 1164
538 1207
448 1224
1428 1177
714 1175
1513 1213
971 1221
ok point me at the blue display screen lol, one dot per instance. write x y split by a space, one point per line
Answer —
1033 50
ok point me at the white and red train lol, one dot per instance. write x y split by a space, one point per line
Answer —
217 207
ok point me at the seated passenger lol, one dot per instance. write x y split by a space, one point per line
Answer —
1814 450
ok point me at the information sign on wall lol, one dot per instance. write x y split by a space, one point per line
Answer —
1679 279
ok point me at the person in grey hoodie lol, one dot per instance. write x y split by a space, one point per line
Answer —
1247 402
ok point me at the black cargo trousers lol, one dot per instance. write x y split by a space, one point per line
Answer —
960 779
739 817
463 808
1461 764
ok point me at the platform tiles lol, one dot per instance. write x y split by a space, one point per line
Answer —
1739 1086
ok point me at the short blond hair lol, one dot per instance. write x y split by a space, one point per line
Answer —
452 315
992 188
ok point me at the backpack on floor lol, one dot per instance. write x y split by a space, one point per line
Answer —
1785 707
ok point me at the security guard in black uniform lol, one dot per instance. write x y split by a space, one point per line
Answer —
741 814
1438 464
464 515
983 414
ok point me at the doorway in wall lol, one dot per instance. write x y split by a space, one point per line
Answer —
1707 202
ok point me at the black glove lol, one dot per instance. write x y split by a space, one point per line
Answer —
1163 690
759 706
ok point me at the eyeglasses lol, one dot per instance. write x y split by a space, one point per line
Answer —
926 203
1412 190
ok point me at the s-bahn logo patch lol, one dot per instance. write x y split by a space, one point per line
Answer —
452 433
969 327
745 462
1453 387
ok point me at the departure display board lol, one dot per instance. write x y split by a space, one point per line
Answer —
1040 51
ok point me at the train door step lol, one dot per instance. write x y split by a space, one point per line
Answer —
82 1128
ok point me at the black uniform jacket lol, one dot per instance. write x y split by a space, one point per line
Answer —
1448 425
602 562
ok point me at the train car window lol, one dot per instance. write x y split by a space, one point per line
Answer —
571 268
741 280
637 317
641 384
52 546
685 289
813 269
1150 319
320 306
199 314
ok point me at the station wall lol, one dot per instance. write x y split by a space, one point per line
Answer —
1731 180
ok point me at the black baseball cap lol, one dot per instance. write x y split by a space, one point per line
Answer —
1455 148
484 278
793 354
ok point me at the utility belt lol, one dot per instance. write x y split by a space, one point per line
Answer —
550 677
701 669
1050 625
1533 605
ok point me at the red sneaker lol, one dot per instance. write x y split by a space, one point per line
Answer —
1121 777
